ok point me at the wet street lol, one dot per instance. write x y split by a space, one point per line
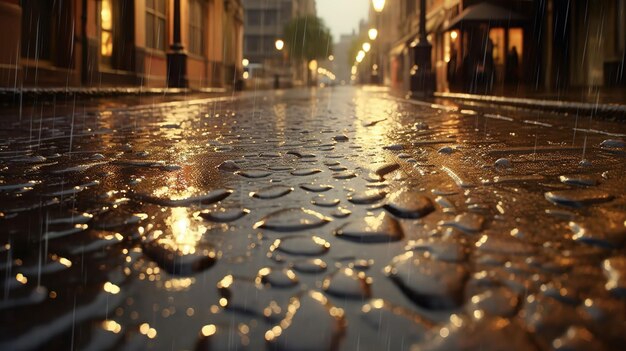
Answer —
330 219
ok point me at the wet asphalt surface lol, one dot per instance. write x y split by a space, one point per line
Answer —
332 219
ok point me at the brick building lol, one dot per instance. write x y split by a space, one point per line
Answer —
120 43
532 45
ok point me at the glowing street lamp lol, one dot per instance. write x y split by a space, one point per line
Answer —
245 62
360 56
367 47
378 5
279 44
372 34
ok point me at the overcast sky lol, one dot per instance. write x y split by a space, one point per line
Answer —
342 16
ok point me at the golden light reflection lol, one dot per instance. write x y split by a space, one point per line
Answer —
148 331
209 330
21 278
174 191
367 111
478 314
456 320
226 282
178 284
292 309
244 329
184 233
321 242
111 326
378 303
374 223
64 261
111 288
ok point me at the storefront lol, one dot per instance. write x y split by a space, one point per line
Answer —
119 42
484 48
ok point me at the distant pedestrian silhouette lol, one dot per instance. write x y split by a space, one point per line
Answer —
451 72
512 66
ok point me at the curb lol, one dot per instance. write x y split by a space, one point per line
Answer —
565 106
10 94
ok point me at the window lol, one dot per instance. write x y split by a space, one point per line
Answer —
516 40
496 35
269 44
410 7
253 17
253 43
270 17
196 27
155 24
106 30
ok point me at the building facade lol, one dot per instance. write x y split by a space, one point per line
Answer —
265 21
493 46
99 43
343 62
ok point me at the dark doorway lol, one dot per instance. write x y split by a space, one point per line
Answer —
37 29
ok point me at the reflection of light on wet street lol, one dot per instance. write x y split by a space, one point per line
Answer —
270 220
374 222
184 236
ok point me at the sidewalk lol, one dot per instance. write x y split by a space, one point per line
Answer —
608 102
50 102
17 94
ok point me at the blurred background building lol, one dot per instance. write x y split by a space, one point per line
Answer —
343 62
267 60
121 43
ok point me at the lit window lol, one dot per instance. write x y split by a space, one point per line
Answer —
106 29
253 17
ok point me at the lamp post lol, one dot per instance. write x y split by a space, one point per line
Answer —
379 6
176 57
279 44
423 78
372 34
312 72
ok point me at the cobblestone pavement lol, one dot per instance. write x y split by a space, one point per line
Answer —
333 219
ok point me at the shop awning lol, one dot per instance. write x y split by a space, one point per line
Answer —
486 13
433 24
